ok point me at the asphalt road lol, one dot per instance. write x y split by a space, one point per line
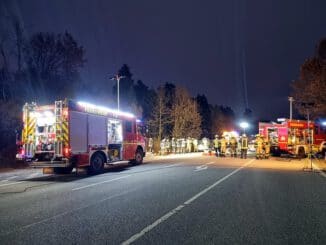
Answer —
189 199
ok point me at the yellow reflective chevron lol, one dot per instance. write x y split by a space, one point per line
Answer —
65 135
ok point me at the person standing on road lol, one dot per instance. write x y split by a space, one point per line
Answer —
216 144
183 146
150 145
223 147
233 144
195 145
244 146
173 143
259 147
267 149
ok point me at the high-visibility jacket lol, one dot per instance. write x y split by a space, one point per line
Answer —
244 143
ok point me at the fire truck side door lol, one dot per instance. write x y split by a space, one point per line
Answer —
78 132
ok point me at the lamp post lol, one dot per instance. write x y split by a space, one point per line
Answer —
117 78
308 106
244 125
291 100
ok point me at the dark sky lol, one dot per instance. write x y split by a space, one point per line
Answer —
203 45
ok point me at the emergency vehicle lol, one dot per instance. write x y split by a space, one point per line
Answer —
69 134
293 136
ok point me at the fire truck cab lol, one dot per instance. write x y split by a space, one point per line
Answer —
71 134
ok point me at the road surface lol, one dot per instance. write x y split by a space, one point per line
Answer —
186 199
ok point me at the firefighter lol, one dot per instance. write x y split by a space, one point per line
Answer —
259 147
183 145
174 145
162 146
244 146
223 147
167 146
216 145
188 144
195 145
233 146
150 145
267 149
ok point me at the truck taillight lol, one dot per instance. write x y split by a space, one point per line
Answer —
66 151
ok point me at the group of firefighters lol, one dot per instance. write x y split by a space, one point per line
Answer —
182 145
221 145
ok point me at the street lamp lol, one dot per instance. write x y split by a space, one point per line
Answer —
117 78
244 125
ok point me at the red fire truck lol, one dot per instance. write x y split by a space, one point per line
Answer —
293 136
69 134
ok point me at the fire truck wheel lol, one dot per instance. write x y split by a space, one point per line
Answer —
138 157
301 153
67 170
97 164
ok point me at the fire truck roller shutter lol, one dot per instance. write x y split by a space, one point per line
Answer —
97 130
78 132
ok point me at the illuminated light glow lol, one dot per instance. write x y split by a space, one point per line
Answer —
48 114
323 123
244 125
138 120
103 110
281 119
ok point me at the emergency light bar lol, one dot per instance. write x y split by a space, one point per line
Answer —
102 109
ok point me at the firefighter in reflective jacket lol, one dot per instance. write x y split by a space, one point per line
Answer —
244 146
223 147
216 145
233 145
259 147
267 149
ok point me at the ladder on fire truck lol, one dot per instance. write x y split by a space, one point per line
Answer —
58 127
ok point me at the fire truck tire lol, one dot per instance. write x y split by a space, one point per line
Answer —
97 164
301 153
67 170
138 157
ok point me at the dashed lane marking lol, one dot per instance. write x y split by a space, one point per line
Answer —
202 167
180 207
100 183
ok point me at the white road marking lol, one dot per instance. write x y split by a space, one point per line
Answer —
99 183
180 207
32 175
173 165
209 163
320 171
14 183
5 180
202 167
12 177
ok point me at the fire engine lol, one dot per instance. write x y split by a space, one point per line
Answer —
296 137
69 134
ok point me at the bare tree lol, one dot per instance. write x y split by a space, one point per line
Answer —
161 115
186 118
311 88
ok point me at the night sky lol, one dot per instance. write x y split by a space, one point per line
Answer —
217 48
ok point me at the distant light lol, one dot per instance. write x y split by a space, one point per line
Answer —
281 119
103 110
244 125
323 123
138 120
